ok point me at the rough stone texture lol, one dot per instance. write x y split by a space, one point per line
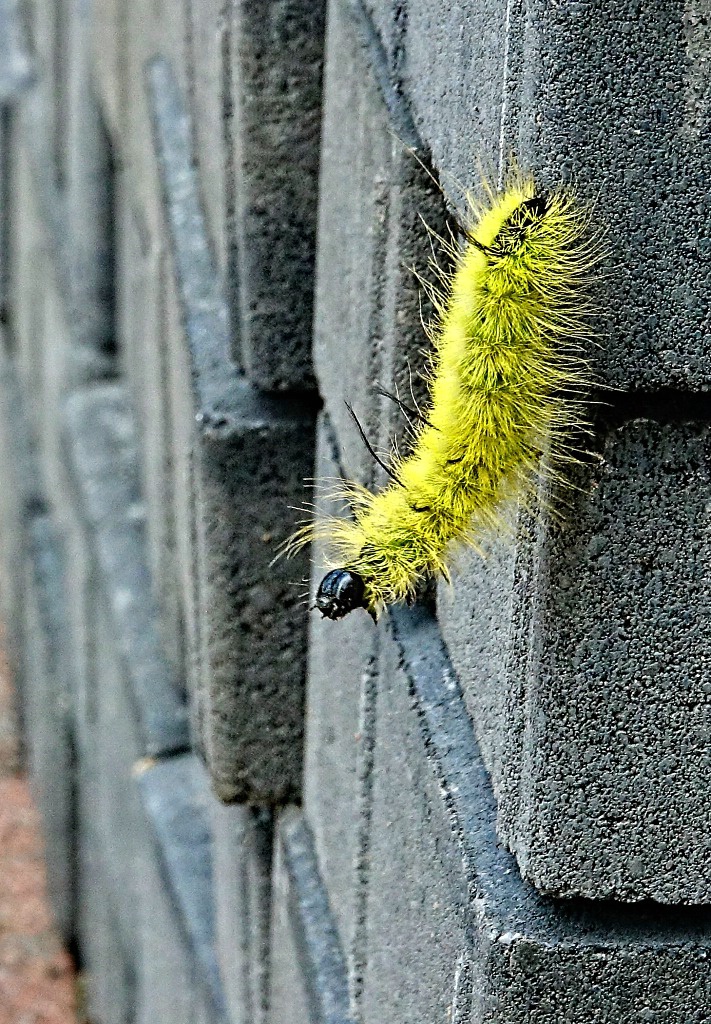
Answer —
415 885
374 193
305 934
243 859
616 100
276 76
583 659
251 453
581 652
531 958
255 620
176 798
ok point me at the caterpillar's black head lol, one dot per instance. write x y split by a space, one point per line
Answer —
536 207
340 592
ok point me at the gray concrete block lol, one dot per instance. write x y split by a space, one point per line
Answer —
250 455
276 76
309 981
443 893
242 840
101 449
177 800
254 618
288 995
616 101
47 718
373 195
599 723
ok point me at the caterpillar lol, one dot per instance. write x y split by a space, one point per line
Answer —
506 385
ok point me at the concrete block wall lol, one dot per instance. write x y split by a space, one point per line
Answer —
492 807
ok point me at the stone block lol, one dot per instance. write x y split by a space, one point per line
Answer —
309 981
450 923
107 53
596 706
253 618
276 78
616 101
251 453
165 982
242 838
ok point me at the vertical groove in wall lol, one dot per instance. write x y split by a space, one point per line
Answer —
364 805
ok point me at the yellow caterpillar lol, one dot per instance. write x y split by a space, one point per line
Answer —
504 386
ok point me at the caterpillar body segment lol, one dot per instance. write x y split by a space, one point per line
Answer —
504 386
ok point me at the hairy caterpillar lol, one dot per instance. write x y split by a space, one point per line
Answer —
504 394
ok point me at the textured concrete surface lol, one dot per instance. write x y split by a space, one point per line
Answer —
176 798
616 101
251 455
533 958
182 145
276 76
89 185
255 619
582 654
243 842
306 934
